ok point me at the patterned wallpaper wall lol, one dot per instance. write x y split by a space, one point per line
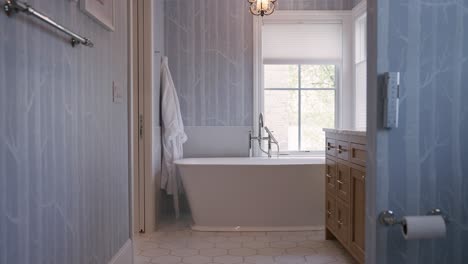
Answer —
424 163
209 44
356 2
316 4
63 143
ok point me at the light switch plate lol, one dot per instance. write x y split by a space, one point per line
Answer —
117 93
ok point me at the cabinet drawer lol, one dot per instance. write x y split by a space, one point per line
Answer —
330 213
342 222
342 182
331 147
330 174
358 154
342 150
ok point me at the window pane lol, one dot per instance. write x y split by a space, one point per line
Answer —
281 116
318 112
318 76
281 76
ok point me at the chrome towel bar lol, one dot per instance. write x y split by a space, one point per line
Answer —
13 6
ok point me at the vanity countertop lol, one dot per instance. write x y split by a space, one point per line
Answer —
346 131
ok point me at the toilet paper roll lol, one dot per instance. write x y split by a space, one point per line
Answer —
424 227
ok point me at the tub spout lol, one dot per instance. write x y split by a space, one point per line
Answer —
271 140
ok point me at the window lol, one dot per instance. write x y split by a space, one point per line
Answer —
302 62
299 101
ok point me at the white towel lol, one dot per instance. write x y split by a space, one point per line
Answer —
173 135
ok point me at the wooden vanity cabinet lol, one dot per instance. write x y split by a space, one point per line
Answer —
330 205
342 182
342 222
358 214
330 175
346 190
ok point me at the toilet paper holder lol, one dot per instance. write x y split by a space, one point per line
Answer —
388 218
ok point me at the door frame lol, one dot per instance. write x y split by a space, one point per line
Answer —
130 115
374 112
144 185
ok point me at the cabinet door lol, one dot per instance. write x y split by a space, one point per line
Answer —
342 182
358 154
358 211
330 212
342 222
330 174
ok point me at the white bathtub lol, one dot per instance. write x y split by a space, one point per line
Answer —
255 194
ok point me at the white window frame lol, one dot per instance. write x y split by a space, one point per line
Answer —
358 12
343 114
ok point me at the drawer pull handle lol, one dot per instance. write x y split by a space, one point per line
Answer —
331 147
329 213
340 223
328 176
339 182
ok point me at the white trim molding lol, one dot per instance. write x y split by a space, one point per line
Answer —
125 254
358 11
145 177
257 77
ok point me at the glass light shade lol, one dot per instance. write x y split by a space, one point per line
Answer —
262 7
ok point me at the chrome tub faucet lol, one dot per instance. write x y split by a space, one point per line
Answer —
270 138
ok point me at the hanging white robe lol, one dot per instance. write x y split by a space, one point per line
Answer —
173 135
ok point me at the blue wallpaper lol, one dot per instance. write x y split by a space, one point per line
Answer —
316 4
63 142
424 163
210 46
356 2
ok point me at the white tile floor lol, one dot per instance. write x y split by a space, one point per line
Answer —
176 243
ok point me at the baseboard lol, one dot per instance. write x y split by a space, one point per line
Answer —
125 254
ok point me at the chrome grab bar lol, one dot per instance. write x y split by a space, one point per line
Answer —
14 6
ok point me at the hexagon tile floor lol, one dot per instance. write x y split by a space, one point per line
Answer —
178 244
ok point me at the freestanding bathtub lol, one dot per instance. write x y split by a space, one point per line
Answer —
255 194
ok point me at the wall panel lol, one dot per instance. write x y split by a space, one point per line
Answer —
63 142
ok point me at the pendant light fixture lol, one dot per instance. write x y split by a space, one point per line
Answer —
262 7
